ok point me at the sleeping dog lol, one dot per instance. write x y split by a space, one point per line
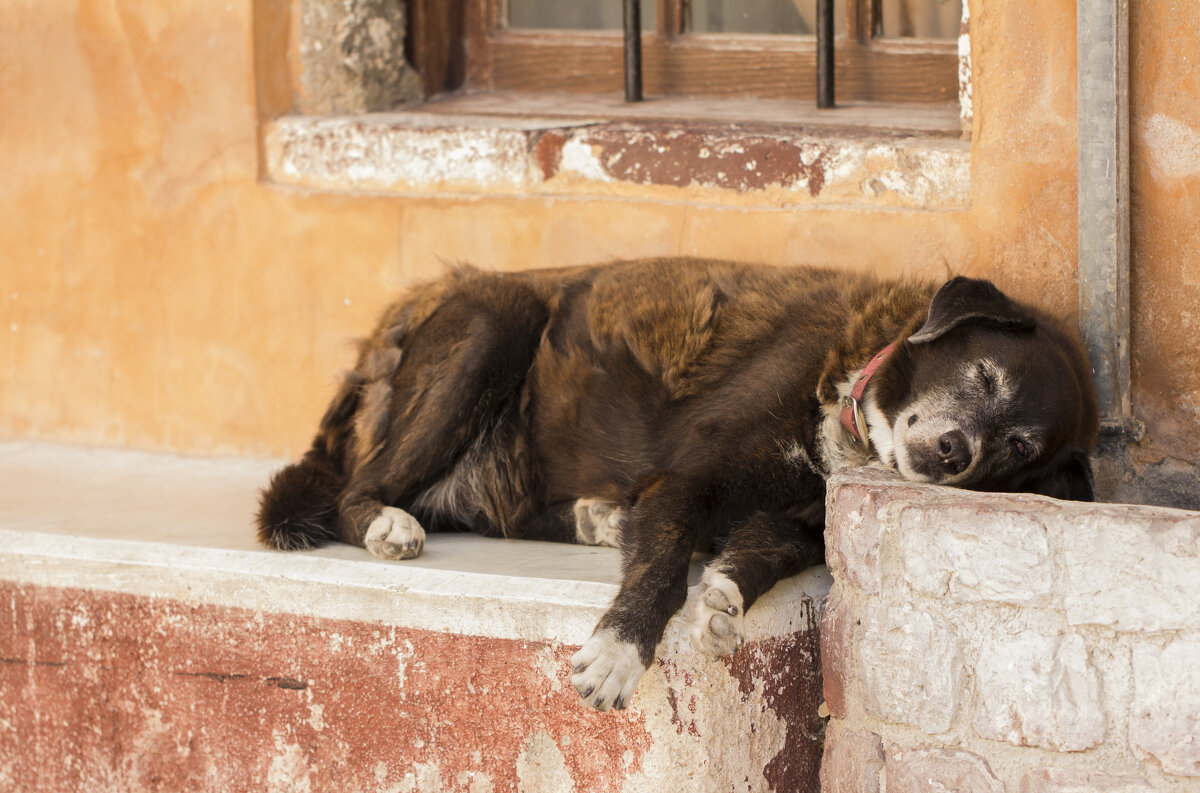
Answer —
667 406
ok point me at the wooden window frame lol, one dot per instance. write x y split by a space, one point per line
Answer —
462 44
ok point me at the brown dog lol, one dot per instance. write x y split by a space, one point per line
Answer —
672 405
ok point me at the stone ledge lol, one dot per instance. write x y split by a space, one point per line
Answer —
697 162
1037 640
1132 568
147 640
159 525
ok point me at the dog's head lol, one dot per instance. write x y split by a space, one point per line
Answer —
991 395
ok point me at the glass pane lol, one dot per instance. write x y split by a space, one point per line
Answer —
574 14
922 19
796 17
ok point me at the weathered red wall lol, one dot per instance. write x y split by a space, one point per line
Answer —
105 691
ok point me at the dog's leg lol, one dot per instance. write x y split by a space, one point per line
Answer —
460 378
556 523
760 551
661 532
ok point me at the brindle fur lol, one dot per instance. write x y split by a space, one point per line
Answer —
697 395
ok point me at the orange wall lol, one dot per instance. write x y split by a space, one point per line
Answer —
156 294
1165 182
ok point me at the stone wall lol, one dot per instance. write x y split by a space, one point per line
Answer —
997 642
351 57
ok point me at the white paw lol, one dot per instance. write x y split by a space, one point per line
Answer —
395 535
598 522
717 622
606 670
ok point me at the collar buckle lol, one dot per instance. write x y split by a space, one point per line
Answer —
852 417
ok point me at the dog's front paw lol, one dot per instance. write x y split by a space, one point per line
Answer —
606 670
395 535
718 618
598 522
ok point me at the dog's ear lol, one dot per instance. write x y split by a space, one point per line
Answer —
962 301
1068 476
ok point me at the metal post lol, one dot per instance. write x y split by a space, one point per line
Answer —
633 50
1103 72
825 53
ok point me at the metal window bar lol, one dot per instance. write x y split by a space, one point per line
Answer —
633 50
825 53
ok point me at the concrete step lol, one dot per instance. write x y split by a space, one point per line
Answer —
146 643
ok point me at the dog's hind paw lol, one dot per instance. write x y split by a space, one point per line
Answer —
606 670
395 535
598 522
718 618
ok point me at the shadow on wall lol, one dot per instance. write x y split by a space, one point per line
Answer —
1120 478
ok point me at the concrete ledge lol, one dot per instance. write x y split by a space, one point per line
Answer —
1008 642
130 664
772 165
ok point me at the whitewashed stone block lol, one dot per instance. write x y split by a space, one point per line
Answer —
938 771
852 760
976 553
1057 780
852 536
1133 573
1165 717
1036 690
911 666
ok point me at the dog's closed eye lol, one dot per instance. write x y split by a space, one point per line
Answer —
985 378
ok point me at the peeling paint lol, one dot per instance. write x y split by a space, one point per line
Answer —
549 152
474 782
541 766
154 693
289 771
550 662
414 152
664 155
233 727
581 159
428 778
376 153
784 674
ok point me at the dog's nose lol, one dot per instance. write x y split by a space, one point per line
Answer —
955 451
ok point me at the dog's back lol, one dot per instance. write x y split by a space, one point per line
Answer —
601 377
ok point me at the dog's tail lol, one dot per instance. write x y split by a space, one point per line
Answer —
298 508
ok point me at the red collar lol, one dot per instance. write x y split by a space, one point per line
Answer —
852 416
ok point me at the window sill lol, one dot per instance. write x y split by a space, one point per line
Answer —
695 151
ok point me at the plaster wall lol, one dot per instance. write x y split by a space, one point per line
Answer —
147 644
1165 184
156 293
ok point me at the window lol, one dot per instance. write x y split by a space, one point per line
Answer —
890 51
525 97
